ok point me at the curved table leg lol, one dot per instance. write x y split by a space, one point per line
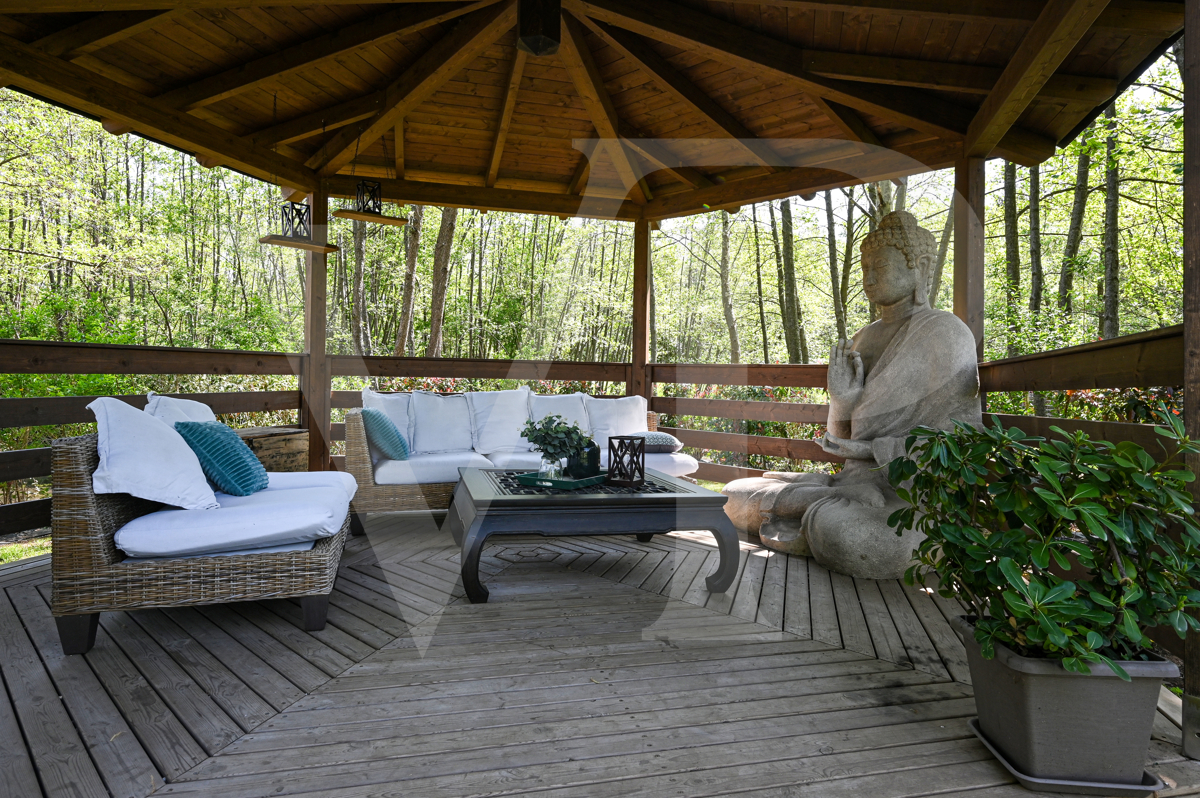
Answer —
472 548
645 537
727 543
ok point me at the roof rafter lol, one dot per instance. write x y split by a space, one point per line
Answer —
397 22
848 120
763 55
60 81
675 83
585 75
99 31
445 59
1058 29
506 112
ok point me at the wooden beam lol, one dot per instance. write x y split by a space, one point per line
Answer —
351 366
445 59
52 357
390 24
477 197
510 102
25 515
398 148
75 6
1060 26
759 54
659 156
969 211
99 31
585 76
315 380
639 374
847 120
319 121
76 87
47 410
673 82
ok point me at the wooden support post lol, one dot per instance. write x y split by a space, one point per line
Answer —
315 383
968 246
639 383
1191 331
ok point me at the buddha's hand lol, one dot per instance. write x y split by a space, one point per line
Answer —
846 375
847 448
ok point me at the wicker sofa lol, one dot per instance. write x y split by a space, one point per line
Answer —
90 575
374 497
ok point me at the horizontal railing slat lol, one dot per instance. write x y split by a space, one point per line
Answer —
784 375
737 409
718 472
45 410
24 463
24 515
348 366
753 444
337 431
53 357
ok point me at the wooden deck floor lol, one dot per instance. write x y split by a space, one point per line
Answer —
601 667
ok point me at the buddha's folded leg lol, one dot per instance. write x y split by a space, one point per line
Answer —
854 538
750 498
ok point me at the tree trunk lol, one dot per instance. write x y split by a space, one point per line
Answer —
735 353
943 248
835 282
791 317
847 255
1036 279
1012 254
1110 322
357 300
902 194
412 248
762 311
441 275
1066 278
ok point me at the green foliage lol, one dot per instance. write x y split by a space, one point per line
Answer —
1067 549
555 438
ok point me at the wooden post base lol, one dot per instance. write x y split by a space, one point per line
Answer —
77 633
315 609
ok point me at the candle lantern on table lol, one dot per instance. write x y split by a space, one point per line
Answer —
626 461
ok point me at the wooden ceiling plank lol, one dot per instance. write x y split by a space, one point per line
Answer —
657 154
445 59
320 121
1053 36
762 55
98 32
675 83
398 149
398 22
76 87
510 102
585 75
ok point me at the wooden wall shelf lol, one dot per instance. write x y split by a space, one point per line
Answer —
377 218
297 243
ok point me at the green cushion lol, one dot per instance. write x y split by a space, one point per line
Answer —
226 459
383 435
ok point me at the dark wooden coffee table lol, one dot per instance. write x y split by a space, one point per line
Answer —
489 501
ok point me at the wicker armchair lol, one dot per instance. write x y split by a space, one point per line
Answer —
372 498
89 574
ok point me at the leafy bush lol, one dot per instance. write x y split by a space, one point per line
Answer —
555 438
1006 517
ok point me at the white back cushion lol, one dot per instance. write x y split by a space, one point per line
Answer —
170 409
394 405
497 418
608 417
440 423
570 407
145 457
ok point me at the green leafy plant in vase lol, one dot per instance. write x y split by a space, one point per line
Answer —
1066 552
557 441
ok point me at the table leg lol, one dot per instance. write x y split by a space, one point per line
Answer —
727 543
454 521
472 548
645 537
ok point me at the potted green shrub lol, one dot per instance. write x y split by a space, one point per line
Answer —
557 441
1065 551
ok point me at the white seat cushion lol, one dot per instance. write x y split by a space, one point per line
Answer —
675 464
498 418
300 480
266 518
425 469
439 424
306 546
570 407
526 461
623 416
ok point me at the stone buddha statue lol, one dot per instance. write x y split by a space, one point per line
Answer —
914 366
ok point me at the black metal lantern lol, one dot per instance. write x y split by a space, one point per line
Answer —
627 461
539 26
296 220
369 198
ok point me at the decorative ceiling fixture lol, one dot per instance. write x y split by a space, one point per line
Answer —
539 26
295 220
368 206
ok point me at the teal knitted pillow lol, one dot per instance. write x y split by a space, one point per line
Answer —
226 459
383 435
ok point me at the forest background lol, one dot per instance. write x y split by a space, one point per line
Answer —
121 240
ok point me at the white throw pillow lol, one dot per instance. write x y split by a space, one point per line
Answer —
498 418
608 417
440 423
170 409
569 406
145 457
397 407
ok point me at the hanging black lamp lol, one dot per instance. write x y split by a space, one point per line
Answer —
295 222
368 206
539 26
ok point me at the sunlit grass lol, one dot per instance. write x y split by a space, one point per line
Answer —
26 548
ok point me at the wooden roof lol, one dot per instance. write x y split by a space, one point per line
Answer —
711 99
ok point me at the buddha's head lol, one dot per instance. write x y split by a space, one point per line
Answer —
897 260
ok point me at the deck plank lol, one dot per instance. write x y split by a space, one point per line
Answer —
851 619
822 606
945 641
796 617
745 604
921 651
302 674
774 591
884 636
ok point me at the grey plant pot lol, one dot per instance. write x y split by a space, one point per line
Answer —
1050 723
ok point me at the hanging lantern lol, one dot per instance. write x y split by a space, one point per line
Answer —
626 461
369 198
296 220
539 26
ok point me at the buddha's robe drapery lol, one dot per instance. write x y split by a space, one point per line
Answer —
926 376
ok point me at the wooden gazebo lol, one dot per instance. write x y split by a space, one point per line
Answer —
649 109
